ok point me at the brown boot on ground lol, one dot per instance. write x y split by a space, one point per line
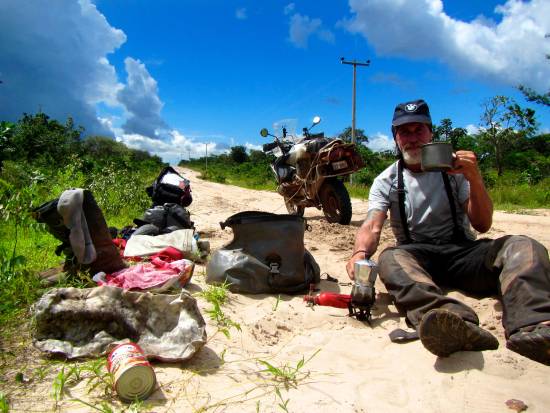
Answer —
443 333
532 342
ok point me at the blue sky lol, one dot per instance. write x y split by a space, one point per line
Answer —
169 76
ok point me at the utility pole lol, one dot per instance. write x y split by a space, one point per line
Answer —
355 64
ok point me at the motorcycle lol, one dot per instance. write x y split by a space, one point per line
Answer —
307 169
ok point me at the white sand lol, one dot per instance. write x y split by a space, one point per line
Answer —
355 367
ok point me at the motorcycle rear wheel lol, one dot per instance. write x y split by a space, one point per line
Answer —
335 202
294 209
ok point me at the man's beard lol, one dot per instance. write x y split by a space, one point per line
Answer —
412 156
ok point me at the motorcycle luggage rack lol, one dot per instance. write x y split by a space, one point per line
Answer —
354 160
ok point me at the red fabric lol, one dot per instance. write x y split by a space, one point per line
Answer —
120 243
168 254
158 274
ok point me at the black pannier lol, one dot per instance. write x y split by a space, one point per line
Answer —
170 187
266 255
167 218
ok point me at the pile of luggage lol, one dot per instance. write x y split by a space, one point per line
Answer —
77 221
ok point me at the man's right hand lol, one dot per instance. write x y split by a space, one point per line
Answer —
350 266
367 239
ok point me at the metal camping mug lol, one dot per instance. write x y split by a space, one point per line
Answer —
437 157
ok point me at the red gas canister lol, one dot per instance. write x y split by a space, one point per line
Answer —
329 299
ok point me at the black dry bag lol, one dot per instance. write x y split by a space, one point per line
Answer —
266 255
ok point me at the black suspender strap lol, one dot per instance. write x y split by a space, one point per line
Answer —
401 199
457 232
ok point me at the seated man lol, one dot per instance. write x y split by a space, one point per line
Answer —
430 216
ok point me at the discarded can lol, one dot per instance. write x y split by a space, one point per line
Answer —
134 378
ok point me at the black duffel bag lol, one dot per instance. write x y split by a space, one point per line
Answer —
166 218
162 192
267 255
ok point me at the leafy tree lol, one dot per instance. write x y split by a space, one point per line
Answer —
446 132
532 96
540 143
100 151
103 147
468 143
257 156
37 137
6 135
238 154
360 137
503 124
375 162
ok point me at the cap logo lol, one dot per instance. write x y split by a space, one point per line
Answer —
411 107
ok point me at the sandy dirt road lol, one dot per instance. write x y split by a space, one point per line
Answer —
356 367
349 365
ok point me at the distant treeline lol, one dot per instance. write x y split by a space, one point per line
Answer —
514 159
41 157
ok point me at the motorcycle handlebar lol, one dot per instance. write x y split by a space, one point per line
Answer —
269 146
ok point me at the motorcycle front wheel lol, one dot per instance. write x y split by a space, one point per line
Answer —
294 209
335 202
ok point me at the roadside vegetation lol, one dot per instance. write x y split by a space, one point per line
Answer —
41 157
513 157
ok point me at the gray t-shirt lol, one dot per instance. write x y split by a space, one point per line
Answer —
427 206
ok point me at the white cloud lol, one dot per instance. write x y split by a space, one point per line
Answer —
511 51
381 142
289 8
140 98
241 13
174 147
472 129
303 27
53 58
250 146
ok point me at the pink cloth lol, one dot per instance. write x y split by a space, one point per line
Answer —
156 275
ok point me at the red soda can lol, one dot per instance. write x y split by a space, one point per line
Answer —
134 378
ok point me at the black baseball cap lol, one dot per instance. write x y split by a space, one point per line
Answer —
413 111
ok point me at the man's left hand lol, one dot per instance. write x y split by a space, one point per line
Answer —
465 163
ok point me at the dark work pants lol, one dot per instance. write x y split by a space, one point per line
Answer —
514 267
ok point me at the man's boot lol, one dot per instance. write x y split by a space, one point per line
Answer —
532 342
443 333
108 257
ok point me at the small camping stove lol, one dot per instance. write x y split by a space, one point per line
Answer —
363 293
